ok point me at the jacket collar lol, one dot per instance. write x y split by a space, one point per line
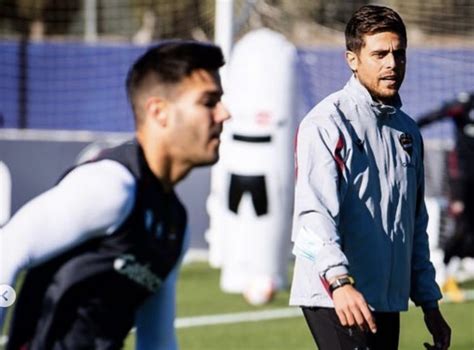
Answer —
362 96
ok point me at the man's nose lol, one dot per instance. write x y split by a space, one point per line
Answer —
390 60
221 113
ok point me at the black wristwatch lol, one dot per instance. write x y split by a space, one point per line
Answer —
341 281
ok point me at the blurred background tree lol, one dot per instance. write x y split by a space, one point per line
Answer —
306 22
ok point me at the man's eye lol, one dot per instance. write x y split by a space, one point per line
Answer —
210 103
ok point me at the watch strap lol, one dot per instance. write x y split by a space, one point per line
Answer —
341 281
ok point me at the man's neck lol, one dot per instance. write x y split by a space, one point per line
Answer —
167 170
388 102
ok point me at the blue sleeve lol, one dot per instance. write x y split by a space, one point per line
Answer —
155 318
424 290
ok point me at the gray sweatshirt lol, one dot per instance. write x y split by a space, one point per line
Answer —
359 204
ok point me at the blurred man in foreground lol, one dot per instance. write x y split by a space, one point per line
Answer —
103 246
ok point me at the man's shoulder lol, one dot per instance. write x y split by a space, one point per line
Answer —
327 113
127 154
408 124
122 151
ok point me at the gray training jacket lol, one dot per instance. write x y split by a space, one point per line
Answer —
359 204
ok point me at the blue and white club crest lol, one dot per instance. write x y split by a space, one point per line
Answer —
406 141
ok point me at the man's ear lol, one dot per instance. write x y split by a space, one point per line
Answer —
156 108
352 60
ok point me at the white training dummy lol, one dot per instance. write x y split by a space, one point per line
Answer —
252 187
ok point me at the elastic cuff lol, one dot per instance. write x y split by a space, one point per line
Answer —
336 271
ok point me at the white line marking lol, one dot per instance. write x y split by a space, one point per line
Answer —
254 316
251 316
90 136
60 135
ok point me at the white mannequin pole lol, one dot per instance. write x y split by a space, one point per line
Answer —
223 30
252 209
224 36
90 21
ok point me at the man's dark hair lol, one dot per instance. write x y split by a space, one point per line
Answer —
169 63
372 19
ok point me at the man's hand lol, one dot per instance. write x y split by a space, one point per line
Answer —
438 328
352 309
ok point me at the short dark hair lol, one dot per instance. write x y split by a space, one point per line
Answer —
372 19
169 62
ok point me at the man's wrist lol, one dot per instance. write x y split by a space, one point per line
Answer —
341 281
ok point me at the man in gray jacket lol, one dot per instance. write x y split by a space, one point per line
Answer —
360 220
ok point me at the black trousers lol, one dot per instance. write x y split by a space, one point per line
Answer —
329 334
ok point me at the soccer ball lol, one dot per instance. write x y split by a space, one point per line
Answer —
259 291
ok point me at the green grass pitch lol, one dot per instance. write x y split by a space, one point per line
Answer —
199 294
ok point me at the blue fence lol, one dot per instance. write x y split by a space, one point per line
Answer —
81 87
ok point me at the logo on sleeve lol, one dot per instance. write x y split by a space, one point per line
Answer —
406 141
128 266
